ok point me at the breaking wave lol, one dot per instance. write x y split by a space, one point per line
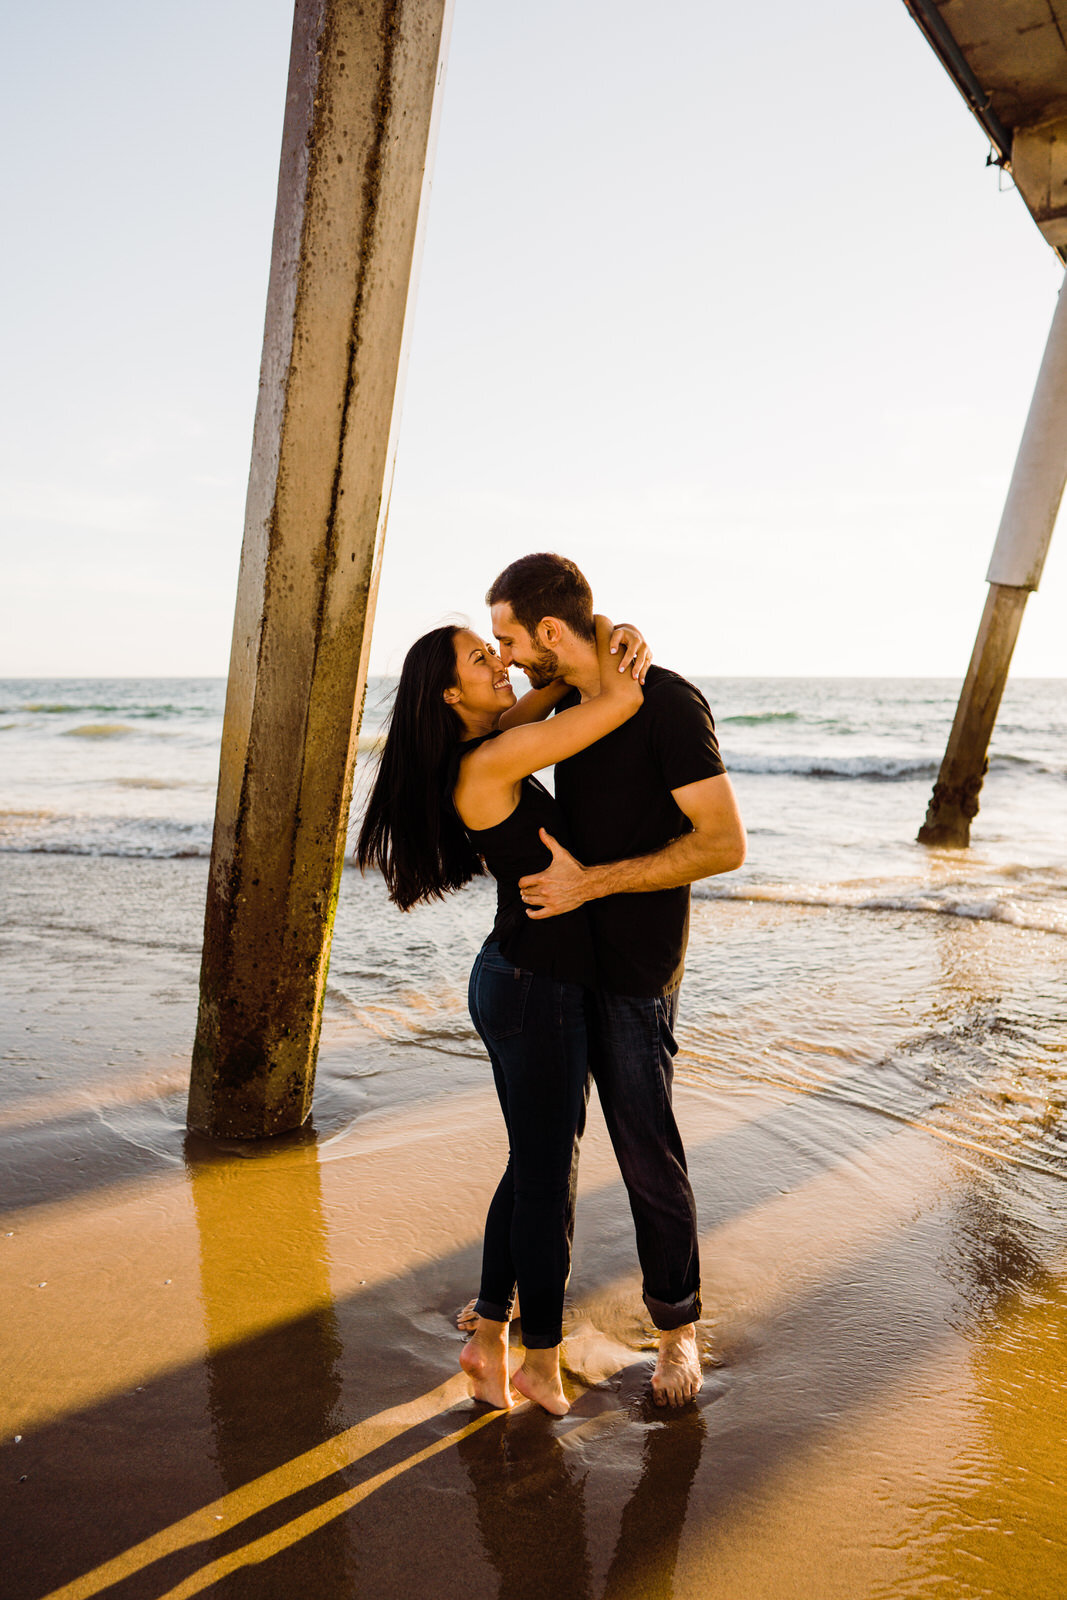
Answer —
1042 908
872 768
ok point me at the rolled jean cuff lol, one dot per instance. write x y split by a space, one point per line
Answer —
491 1312
668 1317
541 1341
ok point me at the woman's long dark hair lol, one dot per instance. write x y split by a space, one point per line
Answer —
411 832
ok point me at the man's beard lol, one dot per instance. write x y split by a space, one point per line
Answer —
543 669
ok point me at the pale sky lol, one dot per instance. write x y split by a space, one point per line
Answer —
722 301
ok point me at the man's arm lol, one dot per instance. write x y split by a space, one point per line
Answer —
716 844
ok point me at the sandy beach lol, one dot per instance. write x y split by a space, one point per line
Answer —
233 1371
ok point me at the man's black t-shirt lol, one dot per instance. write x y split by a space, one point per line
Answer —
616 796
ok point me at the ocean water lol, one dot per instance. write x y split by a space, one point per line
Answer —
833 777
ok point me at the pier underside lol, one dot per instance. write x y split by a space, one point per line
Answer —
1008 58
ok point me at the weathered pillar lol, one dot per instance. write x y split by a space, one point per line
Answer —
356 147
1030 511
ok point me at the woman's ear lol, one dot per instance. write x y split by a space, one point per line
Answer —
451 697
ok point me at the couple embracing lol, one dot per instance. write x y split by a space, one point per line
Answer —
579 975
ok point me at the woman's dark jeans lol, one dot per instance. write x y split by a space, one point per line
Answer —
535 1032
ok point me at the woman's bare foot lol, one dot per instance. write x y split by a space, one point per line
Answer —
484 1358
677 1378
467 1319
538 1379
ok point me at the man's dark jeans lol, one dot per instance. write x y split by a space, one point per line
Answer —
534 1029
632 1050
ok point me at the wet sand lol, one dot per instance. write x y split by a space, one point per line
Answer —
232 1371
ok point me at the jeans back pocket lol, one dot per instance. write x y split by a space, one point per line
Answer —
500 995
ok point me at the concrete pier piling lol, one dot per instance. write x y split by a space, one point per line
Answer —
954 803
1025 533
360 118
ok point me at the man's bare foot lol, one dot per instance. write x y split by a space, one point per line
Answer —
538 1380
484 1358
677 1378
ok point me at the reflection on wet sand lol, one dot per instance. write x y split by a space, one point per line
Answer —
276 1396
240 1376
1008 1519
261 1520
530 1505
642 1567
1012 1522
528 1479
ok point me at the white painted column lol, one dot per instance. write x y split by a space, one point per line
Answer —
1029 516
361 109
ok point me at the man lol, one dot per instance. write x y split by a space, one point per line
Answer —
650 810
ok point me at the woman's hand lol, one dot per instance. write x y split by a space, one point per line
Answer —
616 680
629 643
499 763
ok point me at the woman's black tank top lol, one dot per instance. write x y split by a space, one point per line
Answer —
560 946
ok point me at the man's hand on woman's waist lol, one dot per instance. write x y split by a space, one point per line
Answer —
716 844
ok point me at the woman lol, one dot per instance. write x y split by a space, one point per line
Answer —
454 788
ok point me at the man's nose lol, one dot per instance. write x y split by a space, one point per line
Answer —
505 655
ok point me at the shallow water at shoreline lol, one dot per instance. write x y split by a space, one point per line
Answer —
232 1370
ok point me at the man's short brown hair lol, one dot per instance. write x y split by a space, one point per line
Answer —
546 585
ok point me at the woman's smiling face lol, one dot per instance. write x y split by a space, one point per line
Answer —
481 677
